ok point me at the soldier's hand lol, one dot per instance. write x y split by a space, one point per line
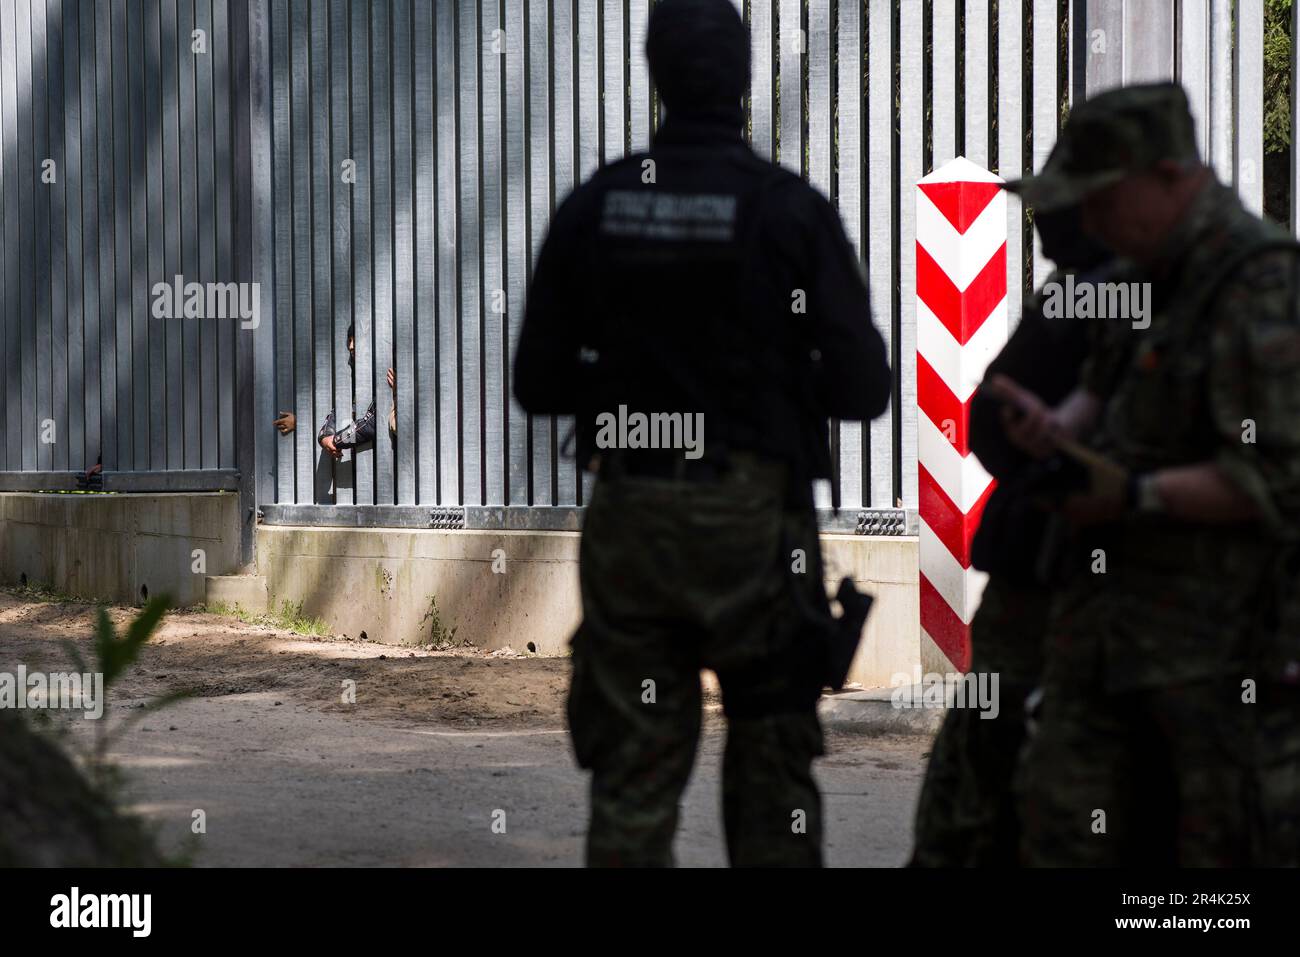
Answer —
286 423
1030 424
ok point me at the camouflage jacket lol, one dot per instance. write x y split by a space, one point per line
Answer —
1215 377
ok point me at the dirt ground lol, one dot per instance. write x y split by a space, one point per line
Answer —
211 656
439 752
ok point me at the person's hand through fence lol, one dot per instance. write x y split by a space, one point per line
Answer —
286 423
327 443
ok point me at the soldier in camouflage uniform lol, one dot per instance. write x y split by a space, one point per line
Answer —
966 814
699 280
1151 747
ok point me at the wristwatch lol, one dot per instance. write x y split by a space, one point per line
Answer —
1143 495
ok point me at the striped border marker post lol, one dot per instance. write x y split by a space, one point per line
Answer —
961 324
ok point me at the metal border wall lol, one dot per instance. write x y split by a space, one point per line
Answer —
115 173
467 122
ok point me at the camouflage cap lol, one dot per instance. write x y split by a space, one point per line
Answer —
1109 136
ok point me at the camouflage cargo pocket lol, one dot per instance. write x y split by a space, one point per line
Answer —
587 724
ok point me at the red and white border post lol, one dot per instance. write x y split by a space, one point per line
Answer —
961 324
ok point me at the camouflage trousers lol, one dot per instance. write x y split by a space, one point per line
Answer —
1276 776
966 815
1156 777
678 576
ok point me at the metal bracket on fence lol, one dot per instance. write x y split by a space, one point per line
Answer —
881 521
447 518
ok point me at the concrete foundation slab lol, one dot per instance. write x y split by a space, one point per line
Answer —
119 547
520 588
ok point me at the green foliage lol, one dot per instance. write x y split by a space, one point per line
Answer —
1277 76
116 654
113 656
441 638
290 617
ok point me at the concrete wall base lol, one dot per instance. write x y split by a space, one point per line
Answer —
246 592
119 547
404 586
520 588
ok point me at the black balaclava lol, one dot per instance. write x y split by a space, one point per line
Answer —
699 57
351 357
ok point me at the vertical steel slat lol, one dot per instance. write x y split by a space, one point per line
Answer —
341 196
301 441
403 348
495 302
90 234
12 219
468 239
309 459
224 261
638 71
59 310
820 150
516 156
539 179
943 80
793 46
156 233
1011 143
1149 46
42 371
1248 106
107 276
188 211
1105 44
563 162
381 199
1194 65
1046 108
850 160
976 145
318 251
261 368
911 132
140 297
1221 125
762 76
363 282
424 403
209 327
615 90
448 273
880 227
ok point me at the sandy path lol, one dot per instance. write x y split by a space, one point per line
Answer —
437 745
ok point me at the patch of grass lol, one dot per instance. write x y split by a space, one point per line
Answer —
289 617
441 638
